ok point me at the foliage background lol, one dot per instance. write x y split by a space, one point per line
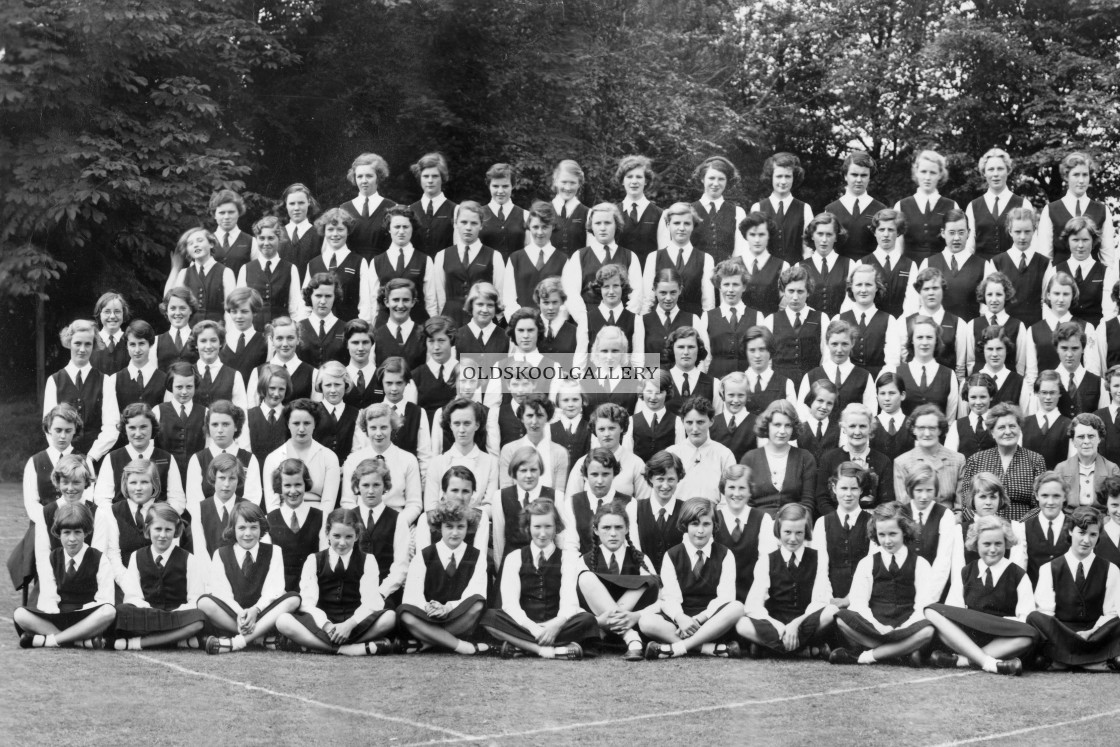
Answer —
118 118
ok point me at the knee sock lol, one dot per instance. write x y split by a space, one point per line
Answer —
867 658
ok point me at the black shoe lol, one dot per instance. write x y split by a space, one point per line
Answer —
1041 662
914 660
943 660
842 656
755 651
1114 663
26 640
1011 667
509 651
633 654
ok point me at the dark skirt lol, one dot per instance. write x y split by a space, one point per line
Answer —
1063 645
21 561
983 628
861 625
452 616
229 610
579 627
139 621
306 620
691 614
807 633
62 620
618 584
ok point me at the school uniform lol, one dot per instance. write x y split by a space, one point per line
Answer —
704 466
816 437
1045 433
786 586
182 431
763 388
1075 595
963 556
727 327
694 592
934 542
1042 353
761 291
718 228
953 337
278 283
433 578
797 341
415 434
334 588
854 384
641 220
565 342
968 435
160 592
504 227
403 263
199 486
335 428
1108 547
1040 540
929 383
630 479
299 244
209 521
686 384
570 232
454 277
472 340
1110 445
855 214
525 269
608 389
600 316
989 233
436 385
735 431
895 270
87 390
403 341
989 602
657 328
298 539
573 435
879 466
218 381
653 527
1089 276
244 352
695 267
241 579
147 385
1058 213
351 271
875 345
891 590
841 541
267 432
113 357
789 216
436 216
367 236
579 509
49 512
513 500
365 391
891 438
234 248
1026 271
322 340
962 271
487 438
748 536
538 585
119 532
925 217
207 284
829 280
171 347
386 538
585 263
798 483
71 588
1084 392
1009 386
621 571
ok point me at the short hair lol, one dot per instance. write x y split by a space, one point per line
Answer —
448 511
610 271
795 274
381 410
820 385
777 407
484 291
927 409
380 168
1047 477
1062 278
698 404
1046 376
757 218
604 207
863 476
822 219
80 326
660 463
291 467
524 455
613 412
888 215
570 166
1110 373
317 281
223 463
887 378
374 466
182 368
335 370
1086 419
927 275
242 295
694 509
542 211
248 512
1078 224
359 326
981 380
735 378
839 326
67 412
892 511
225 407
1075 159
312 203
303 404
334 217
730 268
72 516
141 467
608 333
217 328
758 332
921 474
438 325
734 472
953 215
626 164
433 160
680 208
857 410
400 211
987 482
680 333
282 321
72 467
394 364
182 293
1002 410
181 244
604 457
720 164
859 158
880 285
1067 331
914 321
793 512
1001 279
539 507
935 158
1109 488
268 222
999 153
993 333
547 287
459 472
345 517
269 371
107 298
162 511
786 161
499 171
1026 212
1084 517
536 401
223 196
138 409
462 403
987 524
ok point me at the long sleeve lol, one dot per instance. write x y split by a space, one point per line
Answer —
632 519
511 593
956 560
31 504
1031 361
431 300
107 540
572 278
414 581
271 464
194 495
707 290
498 276
423 446
104 489
1025 602
253 491
48 588
175 495
925 591
196 582
956 590
1044 591
413 496
110 416
439 280
509 291
760 589
822 583
671 597
570 565
295 297
953 437
130 586
1019 550
217 584
477 585
637 344
970 242
366 303
639 291
50 396
859 595
198 534
368 590
942 561
309 591
1111 595
808 480
398 570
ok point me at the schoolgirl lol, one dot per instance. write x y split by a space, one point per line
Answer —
111 312
926 210
232 247
761 234
283 339
692 263
207 280
718 218
245 348
295 527
179 307
86 389
402 260
959 265
656 518
842 536
337 421
366 212
300 242
665 317
434 213
786 215
798 329
349 267
141 430
725 327
875 344
321 333
522 487
641 219
503 223
653 428
734 427
459 267
383 534
1022 265
894 269
140 381
828 271
276 280
267 432
212 515
856 209
967 435
987 213
215 380
571 214
747 532
182 420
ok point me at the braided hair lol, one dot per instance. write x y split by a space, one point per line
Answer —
614 508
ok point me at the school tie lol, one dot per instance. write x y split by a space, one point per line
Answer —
548 331
451 566
838 377
225 516
824 268
855 208
564 212
539 264
653 423
921 522
322 329
661 520
1077 212
887 265
294 525
540 560
634 212
953 264
225 242
698 568
988 583
1045 424
731 427
734 317
207 379
1077 274
333 263
112 344
159 561
758 384
925 381
797 321
272 417
612 567
781 211
891 429
792 565
240 344
893 568
754 268
430 211
1072 387
400 262
178 340
140 379
526 503
995 208
362 381
993 320
440 378
466 257
680 260
847 522
183 411
820 429
1080 579
365 208
481 339
929 206
1050 533
247 565
339 568
610 317
737 532
71 569
686 388
268 268
1022 261
295 240
78 380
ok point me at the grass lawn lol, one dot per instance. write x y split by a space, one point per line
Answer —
186 697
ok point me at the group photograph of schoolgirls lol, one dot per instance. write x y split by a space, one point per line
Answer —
873 434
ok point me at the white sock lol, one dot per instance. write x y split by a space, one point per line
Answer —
128 644
238 642
631 637
963 662
462 647
989 664
679 649
709 649
548 652
354 649
50 642
867 658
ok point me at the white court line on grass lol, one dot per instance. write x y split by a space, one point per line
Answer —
458 736
689 711
1029 729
